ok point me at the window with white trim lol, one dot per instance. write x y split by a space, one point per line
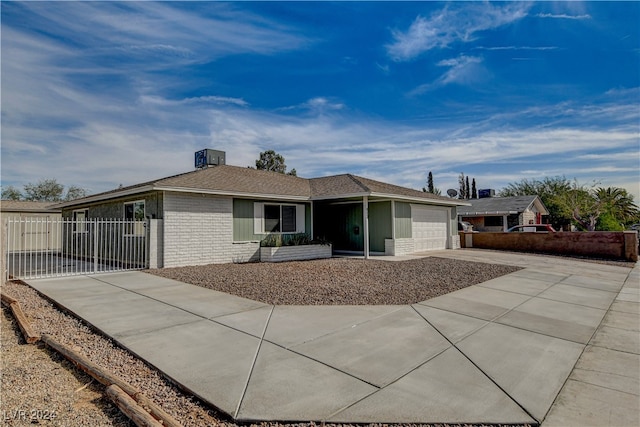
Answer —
134 211
278 218
80 220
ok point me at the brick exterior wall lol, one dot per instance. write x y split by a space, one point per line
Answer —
398 246
198 230
156 243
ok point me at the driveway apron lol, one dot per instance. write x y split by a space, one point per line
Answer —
540 345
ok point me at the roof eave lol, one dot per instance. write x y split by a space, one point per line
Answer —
487 213
104 196
421 199
338 196
235 194
390 196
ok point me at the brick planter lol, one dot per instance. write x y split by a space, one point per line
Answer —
294 253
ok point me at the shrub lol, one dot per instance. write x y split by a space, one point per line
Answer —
277 240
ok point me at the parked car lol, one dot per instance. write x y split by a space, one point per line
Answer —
465 226
532 228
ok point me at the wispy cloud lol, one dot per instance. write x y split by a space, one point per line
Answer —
317 105
452 24
157 100
624 92
463 70
562 16
517 48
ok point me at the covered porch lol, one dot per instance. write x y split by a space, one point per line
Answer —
377 225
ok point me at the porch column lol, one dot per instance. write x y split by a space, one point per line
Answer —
365 221
505 224
311 231
393 219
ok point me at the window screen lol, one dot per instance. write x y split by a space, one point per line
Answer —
272 218
288 219
280 218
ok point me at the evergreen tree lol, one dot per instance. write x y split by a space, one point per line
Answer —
429 188
467 193
474 190
461 192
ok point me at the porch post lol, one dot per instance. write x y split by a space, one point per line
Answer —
365 221
311 231
505 224
393 220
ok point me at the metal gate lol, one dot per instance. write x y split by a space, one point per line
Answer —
45 247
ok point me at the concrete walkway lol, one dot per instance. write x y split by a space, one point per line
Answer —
556 342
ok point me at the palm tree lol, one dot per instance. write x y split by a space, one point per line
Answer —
618 203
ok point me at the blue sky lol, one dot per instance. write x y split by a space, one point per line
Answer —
98 94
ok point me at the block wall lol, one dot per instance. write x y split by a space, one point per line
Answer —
398 246
198 229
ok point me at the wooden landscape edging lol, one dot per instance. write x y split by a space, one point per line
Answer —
131 408
137 404
29 335
106 378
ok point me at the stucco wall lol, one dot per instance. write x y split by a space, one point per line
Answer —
620 245
198 229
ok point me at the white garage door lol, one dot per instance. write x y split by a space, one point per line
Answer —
429 228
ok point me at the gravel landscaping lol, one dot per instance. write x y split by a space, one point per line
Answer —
339 281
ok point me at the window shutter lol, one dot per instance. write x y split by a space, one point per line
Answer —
258 218
300 218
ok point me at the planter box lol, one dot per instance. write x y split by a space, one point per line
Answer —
294 253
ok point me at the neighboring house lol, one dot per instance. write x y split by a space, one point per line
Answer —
219 214
38 234
28 209
501 213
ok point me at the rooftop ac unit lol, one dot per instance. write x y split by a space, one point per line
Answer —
483 194
207 157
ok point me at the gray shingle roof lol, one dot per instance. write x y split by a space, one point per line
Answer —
27 206
497 205
235 180
347 184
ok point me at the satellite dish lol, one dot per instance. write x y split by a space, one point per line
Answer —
452 193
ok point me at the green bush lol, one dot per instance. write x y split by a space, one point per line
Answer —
277 240
297 239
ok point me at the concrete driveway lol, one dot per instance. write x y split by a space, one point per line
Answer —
556 343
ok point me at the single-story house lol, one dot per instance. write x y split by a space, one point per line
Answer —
219 214
501 213
37 234
28 209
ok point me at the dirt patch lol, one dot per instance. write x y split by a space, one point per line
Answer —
41 387
339 281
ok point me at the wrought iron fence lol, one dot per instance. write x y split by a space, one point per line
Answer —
45 247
